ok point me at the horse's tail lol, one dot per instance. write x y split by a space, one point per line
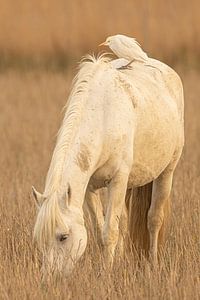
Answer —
138 202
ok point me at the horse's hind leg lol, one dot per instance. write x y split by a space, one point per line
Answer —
160 196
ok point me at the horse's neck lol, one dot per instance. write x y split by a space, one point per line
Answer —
76 178
77 168
72 160
72 173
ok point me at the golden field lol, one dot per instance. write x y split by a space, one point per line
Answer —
31 103
40 42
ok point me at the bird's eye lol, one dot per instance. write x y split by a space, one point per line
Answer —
63 237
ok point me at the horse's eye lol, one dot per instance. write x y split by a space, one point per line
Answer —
63 237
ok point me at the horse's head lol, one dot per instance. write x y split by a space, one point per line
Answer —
59 232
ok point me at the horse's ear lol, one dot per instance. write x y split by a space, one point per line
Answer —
66 197
37 196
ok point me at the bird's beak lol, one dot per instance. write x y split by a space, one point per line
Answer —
103 44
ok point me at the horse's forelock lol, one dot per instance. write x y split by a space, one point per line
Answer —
48 219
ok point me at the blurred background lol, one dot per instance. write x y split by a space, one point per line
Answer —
47 31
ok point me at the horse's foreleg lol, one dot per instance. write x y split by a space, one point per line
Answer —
95 209
123 229
123 225
116 200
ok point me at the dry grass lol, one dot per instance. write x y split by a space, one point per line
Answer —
30 106
48 27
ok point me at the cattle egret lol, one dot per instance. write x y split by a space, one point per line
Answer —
126 47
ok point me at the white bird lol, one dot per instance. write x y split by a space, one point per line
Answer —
126 47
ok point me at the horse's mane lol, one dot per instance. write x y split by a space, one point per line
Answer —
74 108
50 215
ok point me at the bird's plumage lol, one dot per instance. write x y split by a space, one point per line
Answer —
126 47
119 63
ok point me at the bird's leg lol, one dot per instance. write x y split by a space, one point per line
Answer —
126 66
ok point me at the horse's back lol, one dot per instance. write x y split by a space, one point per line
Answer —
159 132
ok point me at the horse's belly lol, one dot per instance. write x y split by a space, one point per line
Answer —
152 154
146 169
142 174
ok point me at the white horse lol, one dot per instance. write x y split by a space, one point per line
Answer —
124 130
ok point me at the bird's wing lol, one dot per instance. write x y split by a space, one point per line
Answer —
118 63
129 40
133 49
